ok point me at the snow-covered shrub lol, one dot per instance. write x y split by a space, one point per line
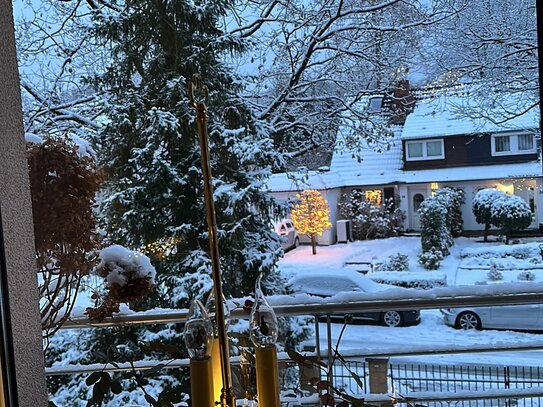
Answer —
452 199
129 276
507 212
431 259
434 231
494 274
511 213
395 262
421 280
370 221
482 206
526 276
521 252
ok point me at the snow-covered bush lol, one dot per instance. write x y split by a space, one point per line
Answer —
431 259
421 280
507 212
370 221
482 206
526 276
521 252
395 262
434 231
452 199
511 213
494 274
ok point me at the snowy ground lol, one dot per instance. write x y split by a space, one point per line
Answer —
458 268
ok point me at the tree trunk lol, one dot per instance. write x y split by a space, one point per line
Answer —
487 227
314 244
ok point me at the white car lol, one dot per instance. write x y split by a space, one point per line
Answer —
329 284
523 317
286 229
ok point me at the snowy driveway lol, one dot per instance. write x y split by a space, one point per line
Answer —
433 332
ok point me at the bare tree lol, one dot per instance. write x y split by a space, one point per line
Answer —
492 46
313 64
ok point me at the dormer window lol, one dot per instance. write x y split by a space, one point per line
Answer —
375 104
513 144
425 150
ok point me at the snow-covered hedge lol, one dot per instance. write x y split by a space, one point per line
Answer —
519 251
423 281
507 212
511 213
452 199
370 221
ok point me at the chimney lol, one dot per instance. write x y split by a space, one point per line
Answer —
402 102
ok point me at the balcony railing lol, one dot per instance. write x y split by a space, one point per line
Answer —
527 293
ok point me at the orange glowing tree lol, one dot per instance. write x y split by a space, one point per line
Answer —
311 215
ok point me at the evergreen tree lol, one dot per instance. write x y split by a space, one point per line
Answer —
149 150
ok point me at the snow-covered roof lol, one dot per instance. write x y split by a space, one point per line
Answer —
374 168
297 181
431 118
441 117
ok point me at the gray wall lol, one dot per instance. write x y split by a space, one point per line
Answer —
18 229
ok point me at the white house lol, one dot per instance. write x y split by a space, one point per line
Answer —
435 147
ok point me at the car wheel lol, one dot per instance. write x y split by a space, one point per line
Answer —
392 318
468 320
297 242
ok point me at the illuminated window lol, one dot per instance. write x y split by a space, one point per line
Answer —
374 196
511 144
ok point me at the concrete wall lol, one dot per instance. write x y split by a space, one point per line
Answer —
18 231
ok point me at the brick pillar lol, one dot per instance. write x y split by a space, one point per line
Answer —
378 372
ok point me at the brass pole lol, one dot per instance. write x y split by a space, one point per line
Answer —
227 394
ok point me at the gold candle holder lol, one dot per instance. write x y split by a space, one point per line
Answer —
198 337
263 330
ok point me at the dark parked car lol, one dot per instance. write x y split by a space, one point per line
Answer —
329 284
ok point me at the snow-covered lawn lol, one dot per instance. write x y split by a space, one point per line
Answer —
468 264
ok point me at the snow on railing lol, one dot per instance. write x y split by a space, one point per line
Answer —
347 302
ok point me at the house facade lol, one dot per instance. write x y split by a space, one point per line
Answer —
437 146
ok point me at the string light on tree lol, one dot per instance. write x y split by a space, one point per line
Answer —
311 215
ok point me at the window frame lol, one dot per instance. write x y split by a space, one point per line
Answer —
425 155
513 144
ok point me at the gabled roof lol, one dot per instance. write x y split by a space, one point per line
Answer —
441 117
431 118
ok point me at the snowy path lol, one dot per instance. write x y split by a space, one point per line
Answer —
432 331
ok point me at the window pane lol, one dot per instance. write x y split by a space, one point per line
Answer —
433 149
414 150
525 142
502 144
375 104
374 196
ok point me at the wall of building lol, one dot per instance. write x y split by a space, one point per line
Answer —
525 188
19 271
462 151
